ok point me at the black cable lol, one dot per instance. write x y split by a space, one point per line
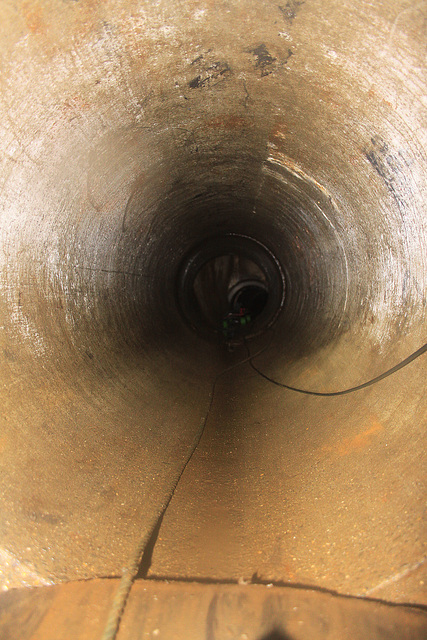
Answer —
131 570
387 373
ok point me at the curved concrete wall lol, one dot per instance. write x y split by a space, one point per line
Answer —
130 132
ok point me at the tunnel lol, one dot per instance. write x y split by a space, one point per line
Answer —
213 224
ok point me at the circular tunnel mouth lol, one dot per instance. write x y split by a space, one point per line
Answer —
230 288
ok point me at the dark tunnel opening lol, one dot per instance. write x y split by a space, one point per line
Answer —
186 187
230 288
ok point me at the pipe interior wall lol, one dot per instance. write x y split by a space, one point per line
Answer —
131 132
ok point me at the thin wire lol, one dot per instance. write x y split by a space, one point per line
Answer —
130 572
369 383
114 271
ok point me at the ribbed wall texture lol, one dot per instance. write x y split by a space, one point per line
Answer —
131 131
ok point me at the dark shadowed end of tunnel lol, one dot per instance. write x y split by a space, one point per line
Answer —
230 287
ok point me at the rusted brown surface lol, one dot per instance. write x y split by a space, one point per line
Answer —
189 611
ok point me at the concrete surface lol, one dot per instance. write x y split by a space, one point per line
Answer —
131 131
287 488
